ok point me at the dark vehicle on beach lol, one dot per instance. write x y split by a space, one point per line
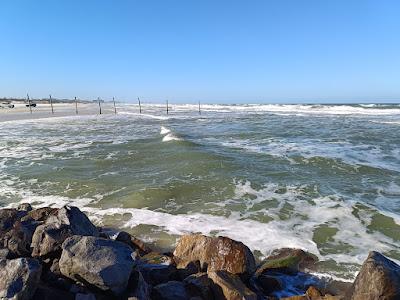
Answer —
31 104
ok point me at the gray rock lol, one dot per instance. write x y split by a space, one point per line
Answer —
19 278
172 290
8 216
40 214
63 223
75 219
4 253
44 292
106 264
379 278
48 238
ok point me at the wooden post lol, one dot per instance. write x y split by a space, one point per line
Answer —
199 109
115 109
167 107
99 104
140 106
29 103
51 103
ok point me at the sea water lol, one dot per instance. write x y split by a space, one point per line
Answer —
324 178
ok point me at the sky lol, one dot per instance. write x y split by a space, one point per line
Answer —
215 51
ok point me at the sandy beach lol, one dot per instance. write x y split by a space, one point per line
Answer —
43 110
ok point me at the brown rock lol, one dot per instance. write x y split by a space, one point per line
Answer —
40 214
134 243
379 278
313 293
215 253
231 285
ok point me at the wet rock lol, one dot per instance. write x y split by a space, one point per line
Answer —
103 263
199 285
288 259
157 258
81 296
134 243
19 278
24 207
172 290
379 278
231 285
215 253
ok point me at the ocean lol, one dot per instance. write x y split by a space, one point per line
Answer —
324 178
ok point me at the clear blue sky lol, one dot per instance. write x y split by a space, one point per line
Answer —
209 50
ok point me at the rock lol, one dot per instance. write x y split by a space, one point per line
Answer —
172 290
24 207
8 216
269 283
156 274
313 294
133 242
78 222
231 285
379 278
40 214
106 264
157 258
49 293
18 238
299 297
199 285
142 290
4 253
19 278
80 296
290 259
48 238
63 223
215 253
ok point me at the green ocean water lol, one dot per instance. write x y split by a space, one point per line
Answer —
325 178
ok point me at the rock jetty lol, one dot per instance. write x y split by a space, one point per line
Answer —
57 253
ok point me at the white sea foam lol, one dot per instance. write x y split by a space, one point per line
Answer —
164 130
171 137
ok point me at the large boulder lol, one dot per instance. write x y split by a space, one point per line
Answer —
231 285
8 216
379 278
215 253
18 238
103 263
75 219
59 225
48 238
40 214
19 278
